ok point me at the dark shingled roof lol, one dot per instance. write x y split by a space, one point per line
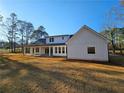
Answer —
45 44
41 41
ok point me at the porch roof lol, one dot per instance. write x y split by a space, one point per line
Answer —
55 44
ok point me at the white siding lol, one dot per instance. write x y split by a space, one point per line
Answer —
57 39
77 46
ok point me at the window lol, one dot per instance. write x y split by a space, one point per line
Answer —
33 50
62 37
27 50
51 39
55 49
91 50
37 49
59 49
46 50
63 49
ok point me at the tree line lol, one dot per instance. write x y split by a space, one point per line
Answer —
113 27
20 32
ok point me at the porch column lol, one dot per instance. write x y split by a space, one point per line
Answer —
24 50
53 50
66 50
49 51
31 50
40 50
34 50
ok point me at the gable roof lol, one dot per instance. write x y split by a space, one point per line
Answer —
89 29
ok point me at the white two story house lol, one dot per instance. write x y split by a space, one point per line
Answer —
85 44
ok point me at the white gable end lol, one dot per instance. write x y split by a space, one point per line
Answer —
77 46
86 28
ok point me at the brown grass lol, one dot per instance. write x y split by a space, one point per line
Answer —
28 74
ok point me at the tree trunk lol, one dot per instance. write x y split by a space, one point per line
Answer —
12 40
11 46
22 45
14 45
22 48
121 49
113 46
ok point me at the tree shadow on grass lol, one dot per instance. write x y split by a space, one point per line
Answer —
27 78
109 63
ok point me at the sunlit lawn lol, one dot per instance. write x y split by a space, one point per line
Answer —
27 74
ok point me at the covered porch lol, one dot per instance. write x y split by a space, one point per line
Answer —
46 50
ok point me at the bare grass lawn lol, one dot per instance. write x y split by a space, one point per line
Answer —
28 74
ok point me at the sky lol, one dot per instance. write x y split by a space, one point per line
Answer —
59 16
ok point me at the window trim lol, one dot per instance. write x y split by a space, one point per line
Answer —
91 50
51 39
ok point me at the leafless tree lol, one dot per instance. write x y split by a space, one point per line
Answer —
25 30
10 26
